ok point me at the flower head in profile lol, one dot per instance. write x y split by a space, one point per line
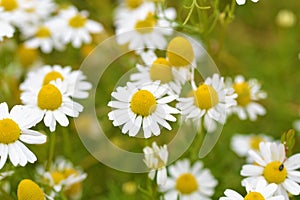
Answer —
28 189
188 182
249 93
209 101
63 176
242 143
259 190
156 158
272 165
158 69
145 107
14 131
74 80
52 103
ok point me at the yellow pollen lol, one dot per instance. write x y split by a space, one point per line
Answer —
9 5
186 184
43 32
243 92
146 25
78 21
26 55
143 103
52 76
9 131
275 172
161 70
132 4
28 190
180 52
49 97
57 177
255 141
206 97
254 196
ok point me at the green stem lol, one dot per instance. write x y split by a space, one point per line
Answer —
197 143
51 150
67 145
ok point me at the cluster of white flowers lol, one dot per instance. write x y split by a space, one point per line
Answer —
44 24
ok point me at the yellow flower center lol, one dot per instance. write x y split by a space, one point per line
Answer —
180 52
78 21
43 32
243 92
26 55
9 5
254 196
132 4
161 70
146 25
186 184
52 76
275 172
28 190
206 97
49 97
57 177
9 131
255 141
143 103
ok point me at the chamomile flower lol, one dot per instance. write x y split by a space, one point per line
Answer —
158 69
75 82
261 190
145 28
241 143
74 27
42 36
242 2
156 158
52 103
188 182
15 129
210 101
27 189
272 165
6 29
249 93
143 107
63 176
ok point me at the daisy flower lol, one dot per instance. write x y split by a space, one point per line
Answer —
77 86
74 27
15 129
210 101
6 29
158 69
241 143
156 158
52 103
272 165
261 190
249 93
142 106
188 182
42 36
145 28
63 176
242 2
